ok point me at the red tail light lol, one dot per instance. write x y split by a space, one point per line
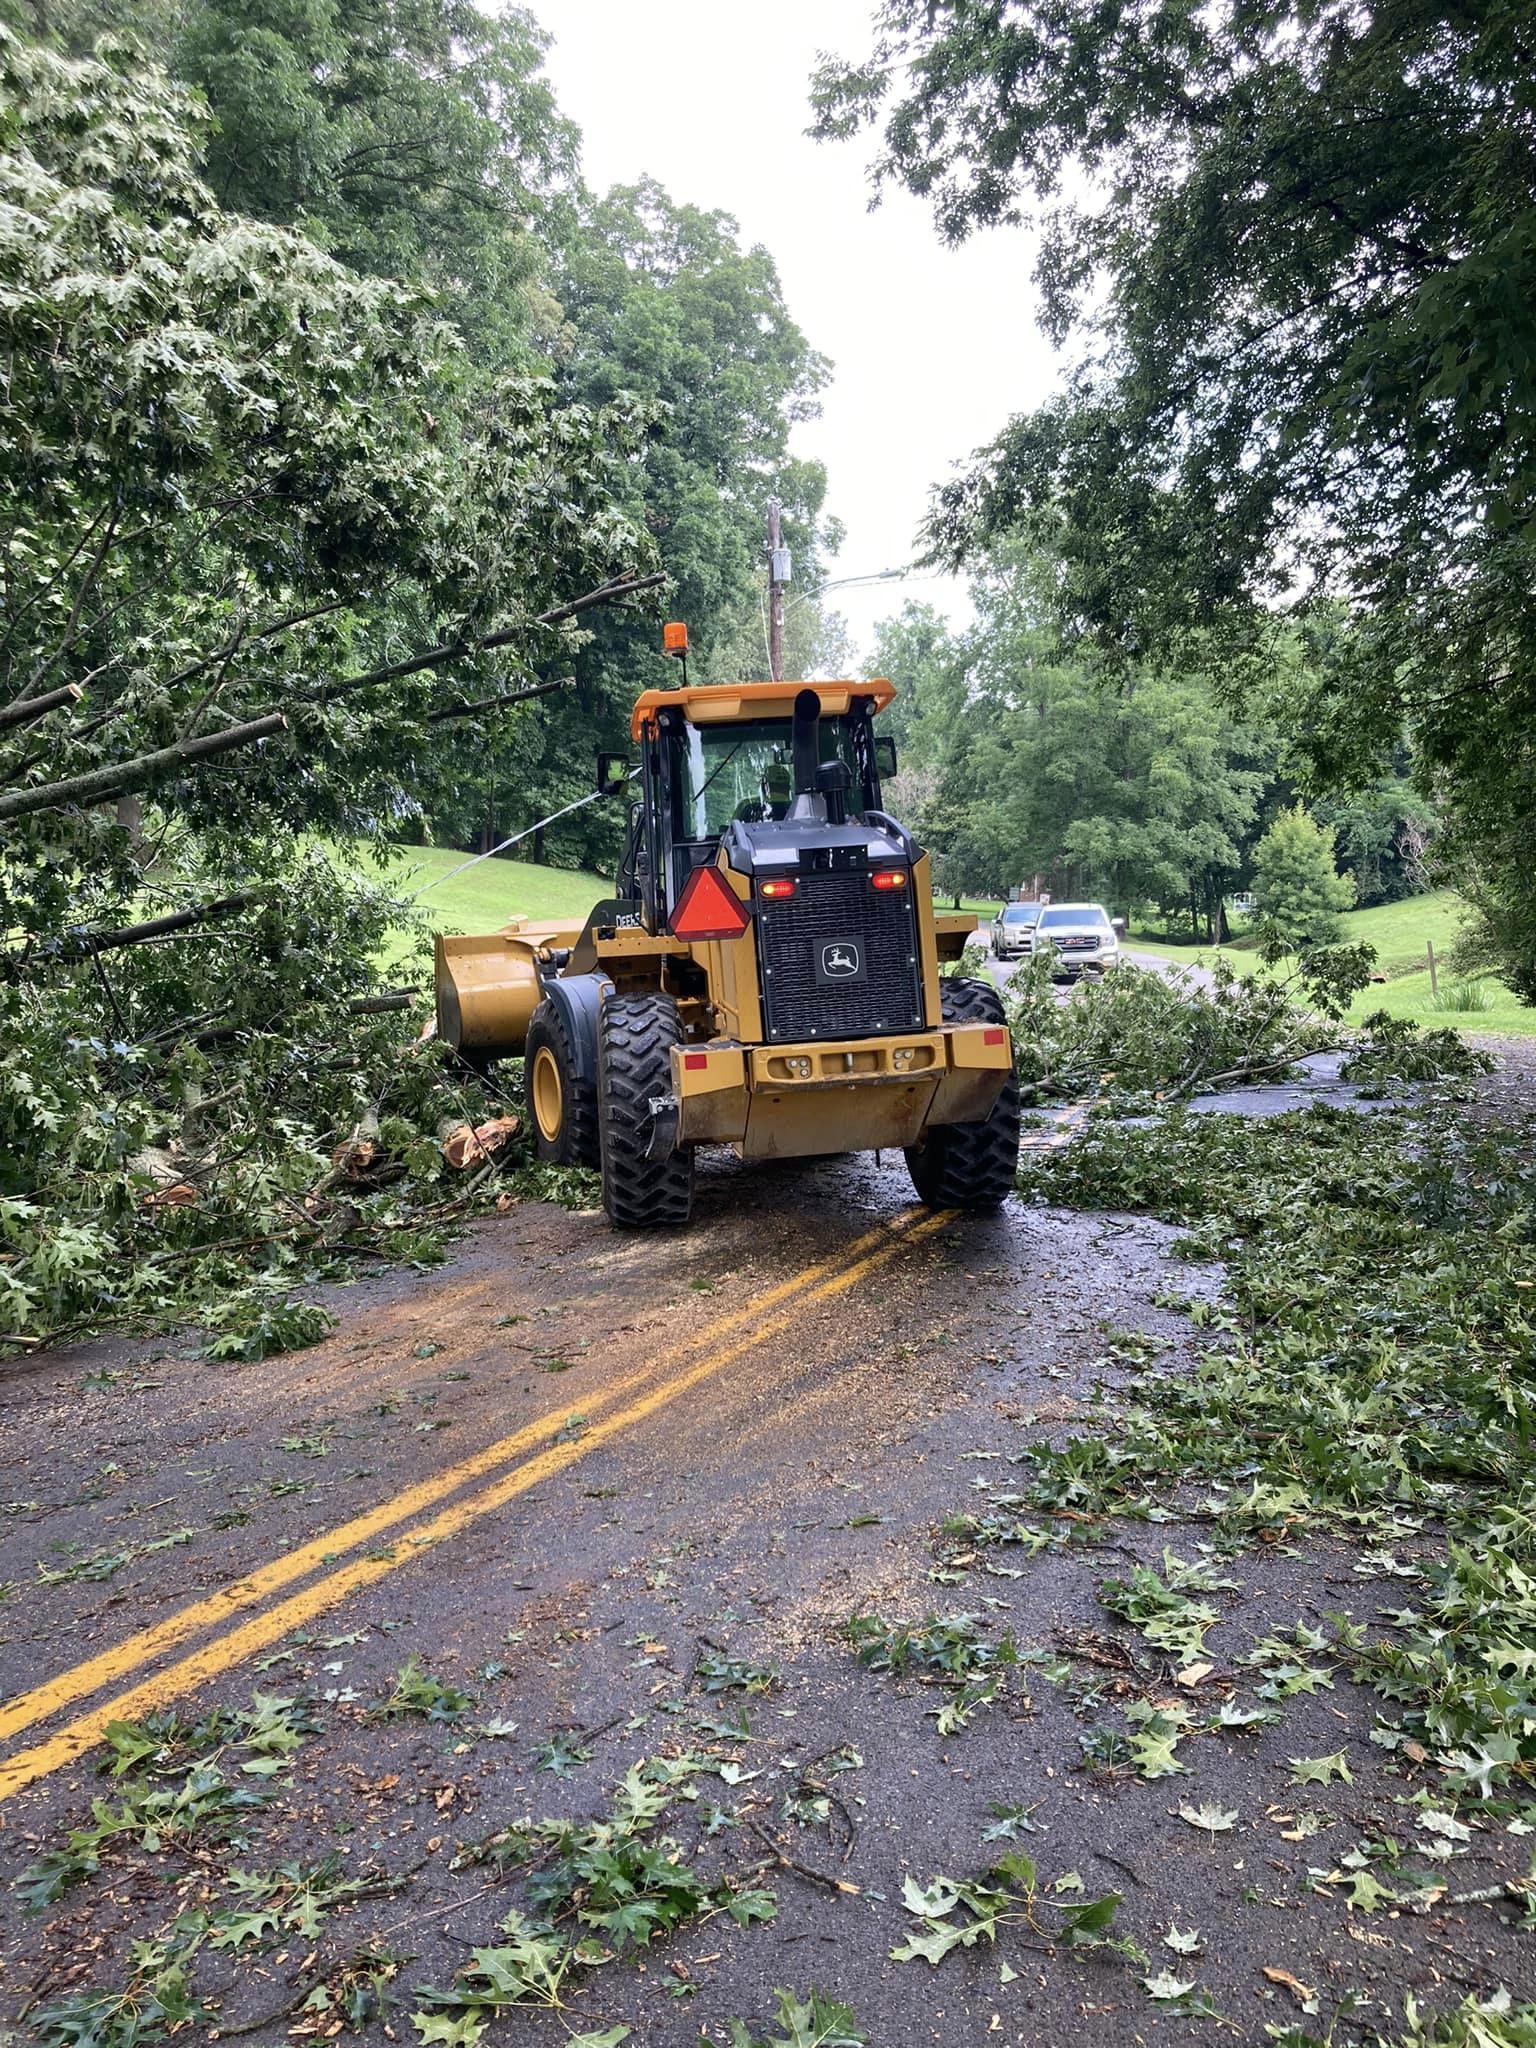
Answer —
888 878
776 891
707 908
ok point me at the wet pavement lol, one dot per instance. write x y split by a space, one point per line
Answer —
623 1492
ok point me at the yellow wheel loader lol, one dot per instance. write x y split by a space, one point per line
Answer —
765 976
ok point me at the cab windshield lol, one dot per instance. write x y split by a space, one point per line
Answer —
745 770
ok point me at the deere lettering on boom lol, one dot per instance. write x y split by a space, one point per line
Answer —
765 975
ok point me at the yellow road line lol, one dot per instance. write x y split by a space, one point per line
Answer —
232 1648
111 1666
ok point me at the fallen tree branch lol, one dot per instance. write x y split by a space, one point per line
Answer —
483 643
100 783
1249 1071
496 703
785 1861
81 945
375 1006
24 709
128 776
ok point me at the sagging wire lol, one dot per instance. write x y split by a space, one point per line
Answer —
475 858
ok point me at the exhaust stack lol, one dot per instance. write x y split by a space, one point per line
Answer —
806 741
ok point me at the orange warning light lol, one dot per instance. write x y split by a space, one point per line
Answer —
674 637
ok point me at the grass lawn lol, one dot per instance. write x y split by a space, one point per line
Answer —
486 895
1400 932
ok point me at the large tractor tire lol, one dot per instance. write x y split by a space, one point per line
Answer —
970 1166
647 1179
562 1101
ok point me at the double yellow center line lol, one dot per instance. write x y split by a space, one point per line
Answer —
391 1535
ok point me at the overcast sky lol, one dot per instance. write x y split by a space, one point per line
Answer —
932 348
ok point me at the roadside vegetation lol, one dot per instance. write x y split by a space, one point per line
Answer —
1461 993
361 549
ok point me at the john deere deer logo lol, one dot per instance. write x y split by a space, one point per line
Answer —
839 960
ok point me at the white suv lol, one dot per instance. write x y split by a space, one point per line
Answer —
1078 935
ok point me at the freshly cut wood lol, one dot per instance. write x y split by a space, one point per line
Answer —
470 1144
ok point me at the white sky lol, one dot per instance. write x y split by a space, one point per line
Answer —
931 348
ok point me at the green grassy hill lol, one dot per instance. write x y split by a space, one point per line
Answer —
1401 934
491 891
485 895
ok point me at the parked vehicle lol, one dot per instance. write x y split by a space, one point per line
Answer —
1013 928
1078 936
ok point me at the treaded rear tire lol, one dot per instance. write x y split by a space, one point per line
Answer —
575 1144
634 1068
970 1166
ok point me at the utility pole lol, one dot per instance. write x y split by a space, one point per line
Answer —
778 576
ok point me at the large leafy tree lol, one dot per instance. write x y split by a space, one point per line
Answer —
413 139
1307 234
662 304
1028 757
233 476
262 537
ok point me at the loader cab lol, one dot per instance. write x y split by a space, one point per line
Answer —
751 767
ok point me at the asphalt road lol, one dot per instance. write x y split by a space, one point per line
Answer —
621 1492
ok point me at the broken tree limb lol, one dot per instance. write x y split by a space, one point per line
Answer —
25 709
87 945
100 783
127 776
375 1006
496 703
481 643
621 586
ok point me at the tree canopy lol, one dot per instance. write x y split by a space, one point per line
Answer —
1025 757
1301 243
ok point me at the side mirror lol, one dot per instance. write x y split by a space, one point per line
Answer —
613 774
885 756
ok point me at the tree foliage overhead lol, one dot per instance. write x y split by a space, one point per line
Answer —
237 480
1303 238
411 139
662 303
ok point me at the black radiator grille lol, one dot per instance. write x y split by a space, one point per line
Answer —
806 943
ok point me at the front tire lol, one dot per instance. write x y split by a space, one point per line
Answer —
561 1100
970 1166
647 1180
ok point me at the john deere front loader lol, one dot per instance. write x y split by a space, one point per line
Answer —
765 976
